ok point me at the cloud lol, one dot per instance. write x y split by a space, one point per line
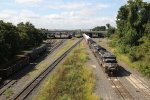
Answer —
63 20
80 9
64 15
16 17
69 6
77 6
75 15
28 1
28 14
6 14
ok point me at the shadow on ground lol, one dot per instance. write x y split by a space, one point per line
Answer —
121 72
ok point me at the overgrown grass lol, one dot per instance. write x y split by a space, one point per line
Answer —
8 93
138 65
73 80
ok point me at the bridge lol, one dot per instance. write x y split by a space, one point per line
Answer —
73 33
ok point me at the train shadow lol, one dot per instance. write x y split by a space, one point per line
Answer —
122 72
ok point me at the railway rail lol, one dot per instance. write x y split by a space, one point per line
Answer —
138 84
8 83
32 85
120 90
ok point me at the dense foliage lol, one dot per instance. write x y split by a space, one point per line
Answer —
133 33
16 38
110 30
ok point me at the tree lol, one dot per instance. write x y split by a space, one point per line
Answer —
133 16
110 30
29 34
9 41
132 35
14 39
99 28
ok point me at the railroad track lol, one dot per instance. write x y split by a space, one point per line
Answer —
120 90
7 84
33 84
137 83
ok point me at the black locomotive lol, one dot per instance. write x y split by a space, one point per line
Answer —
107 60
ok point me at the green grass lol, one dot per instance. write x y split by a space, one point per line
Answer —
72 80
137 65
8 93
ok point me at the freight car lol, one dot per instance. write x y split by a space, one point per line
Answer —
4 73
106 59
23 61
35 52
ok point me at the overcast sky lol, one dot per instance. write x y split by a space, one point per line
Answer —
61 14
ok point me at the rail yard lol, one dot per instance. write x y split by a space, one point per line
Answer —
123 85
75 50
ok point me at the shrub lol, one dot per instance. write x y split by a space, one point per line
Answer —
145 70
73 80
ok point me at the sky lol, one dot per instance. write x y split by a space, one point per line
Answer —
61 14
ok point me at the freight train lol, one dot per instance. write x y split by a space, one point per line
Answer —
23 61
106 59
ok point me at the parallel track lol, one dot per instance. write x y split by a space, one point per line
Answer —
7 84
120 90
137 84
32 85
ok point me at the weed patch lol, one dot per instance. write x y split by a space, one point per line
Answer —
73 80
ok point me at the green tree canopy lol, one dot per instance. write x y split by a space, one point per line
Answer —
132 36
16 38
99 28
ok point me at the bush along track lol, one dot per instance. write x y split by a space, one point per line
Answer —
72 80
131 39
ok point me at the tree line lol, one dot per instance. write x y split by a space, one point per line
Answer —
110 29
14 39
132 36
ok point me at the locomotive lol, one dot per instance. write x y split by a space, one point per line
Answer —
106 59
